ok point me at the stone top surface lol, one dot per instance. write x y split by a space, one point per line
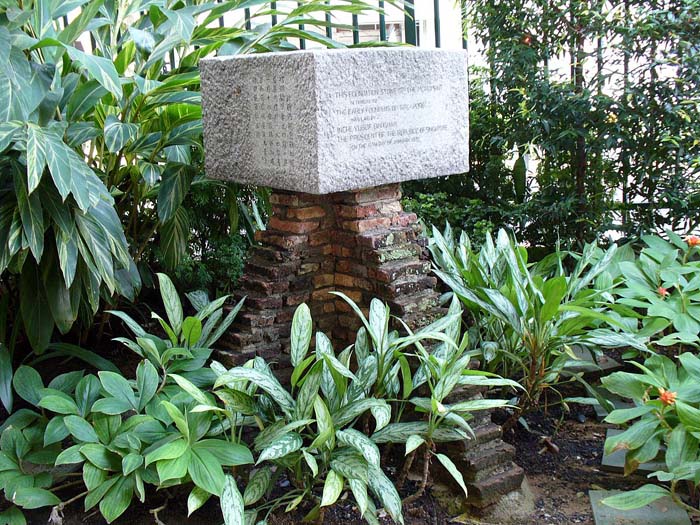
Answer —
323 121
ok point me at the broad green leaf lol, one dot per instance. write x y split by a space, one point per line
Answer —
34 498
116 385
452 469
191 389
636 498
227 453
361 443
283 446
171 450
6 378
257 485
206 472
59 404
232 505
191 330
131 462
117 499
175 468
146 382
413 442
632 438
55 432
196 499
623 415
99 68
28 384
81 429
100 456
117 133
301 334
171 301
111 406
332 488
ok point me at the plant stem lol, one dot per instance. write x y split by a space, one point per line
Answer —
63 505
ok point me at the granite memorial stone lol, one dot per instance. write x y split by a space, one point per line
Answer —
324 121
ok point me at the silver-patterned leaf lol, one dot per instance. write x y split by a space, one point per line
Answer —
257 485
361 443
301 334
283 446
232 503
332 488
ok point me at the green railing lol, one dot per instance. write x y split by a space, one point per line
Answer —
410 32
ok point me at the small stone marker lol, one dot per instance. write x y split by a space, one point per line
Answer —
324 121
661 512
615 462
618 403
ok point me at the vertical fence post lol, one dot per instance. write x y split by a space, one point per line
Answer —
382 22
436 14
410 22
463 21
355 29
329 29
302 41
273 6
246 13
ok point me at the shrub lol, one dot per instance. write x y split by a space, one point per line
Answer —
178 422
661 287
99 150
664 422
528 317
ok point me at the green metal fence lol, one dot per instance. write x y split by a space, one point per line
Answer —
411 35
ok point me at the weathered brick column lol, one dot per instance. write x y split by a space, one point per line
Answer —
360 243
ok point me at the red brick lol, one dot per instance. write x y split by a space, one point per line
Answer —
308 268
350 267
326 279
329 307
404 219
390 208
286 199
296 299
364 225
310 212
297 227
320 238
391 192
286 242
286 315
321 294
355 212
344 280
263 303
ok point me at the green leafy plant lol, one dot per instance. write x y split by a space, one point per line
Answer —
124 434
99 149
318 433
663 424
662 285
189 340
528 317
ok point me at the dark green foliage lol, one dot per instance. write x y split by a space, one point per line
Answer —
616 139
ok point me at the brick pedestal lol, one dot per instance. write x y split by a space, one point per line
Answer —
360 243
